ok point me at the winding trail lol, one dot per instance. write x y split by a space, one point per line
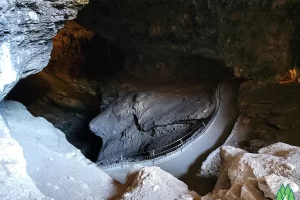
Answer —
185 164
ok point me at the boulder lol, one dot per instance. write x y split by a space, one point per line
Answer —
227 156
142 120
15 182
270 185
258 176
49 166
257 166
154 183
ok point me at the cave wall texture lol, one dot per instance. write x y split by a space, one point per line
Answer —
256 38
26 31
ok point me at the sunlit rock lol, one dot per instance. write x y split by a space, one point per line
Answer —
154 183
26 30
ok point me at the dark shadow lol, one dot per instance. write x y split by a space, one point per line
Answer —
204 185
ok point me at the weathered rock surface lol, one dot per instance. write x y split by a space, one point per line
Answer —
256 38
154 183
51 167
258 176
63 92
26 30
145 119
269 113
269 185
15 182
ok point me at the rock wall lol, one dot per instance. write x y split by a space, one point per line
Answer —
254 37
149 117
26 32
257 176
37 162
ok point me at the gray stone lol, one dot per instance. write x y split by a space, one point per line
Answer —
26 30
154 183
49 166
142 120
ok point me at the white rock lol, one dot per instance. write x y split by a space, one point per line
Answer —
256 166
272 183
153 183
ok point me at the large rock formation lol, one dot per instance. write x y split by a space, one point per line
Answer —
63 92
37 162
154 183
269 113
256 38
257 176
26 32
145 119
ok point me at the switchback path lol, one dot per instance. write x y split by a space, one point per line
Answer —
185 163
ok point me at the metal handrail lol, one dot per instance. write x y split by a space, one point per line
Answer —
184 141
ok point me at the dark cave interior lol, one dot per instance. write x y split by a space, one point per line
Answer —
128 74
131 81
87 73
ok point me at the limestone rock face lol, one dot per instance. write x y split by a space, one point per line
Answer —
147 119
269 185
254 37
63 93
38 163
269 114
154 183
15 182
26 30
257 176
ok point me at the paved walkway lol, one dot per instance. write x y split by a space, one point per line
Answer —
185 165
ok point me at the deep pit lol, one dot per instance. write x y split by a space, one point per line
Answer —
206 90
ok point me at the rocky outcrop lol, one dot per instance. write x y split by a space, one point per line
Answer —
48 167
26 30
15 182
146 119
154 183
269 113
257 176
63 92
256 38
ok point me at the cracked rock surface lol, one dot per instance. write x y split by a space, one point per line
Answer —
145 118
50 167
156 184
257 176
269 113
26 31
254 37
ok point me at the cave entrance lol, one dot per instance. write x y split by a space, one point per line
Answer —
133 101
67 92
